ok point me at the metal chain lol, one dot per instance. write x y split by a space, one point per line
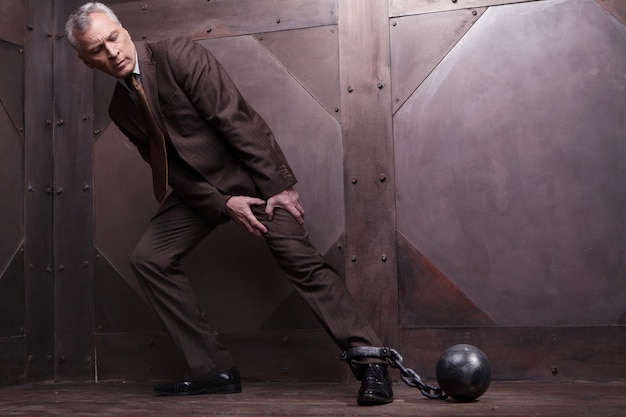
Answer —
412 379
394 359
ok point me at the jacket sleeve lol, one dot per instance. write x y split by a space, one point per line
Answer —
215 96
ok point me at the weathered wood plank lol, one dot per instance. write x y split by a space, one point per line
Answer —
280 399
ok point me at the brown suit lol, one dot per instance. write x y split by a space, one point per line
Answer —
218 146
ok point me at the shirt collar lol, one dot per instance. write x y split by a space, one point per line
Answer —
135 71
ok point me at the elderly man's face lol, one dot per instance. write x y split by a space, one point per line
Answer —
107 46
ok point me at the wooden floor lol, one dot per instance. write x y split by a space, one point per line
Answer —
311 399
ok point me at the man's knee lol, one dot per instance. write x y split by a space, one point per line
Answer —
143 260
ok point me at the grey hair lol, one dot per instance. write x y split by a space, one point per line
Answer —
80 20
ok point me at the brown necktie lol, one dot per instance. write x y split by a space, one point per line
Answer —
156 141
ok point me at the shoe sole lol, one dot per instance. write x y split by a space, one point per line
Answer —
226 389
371 399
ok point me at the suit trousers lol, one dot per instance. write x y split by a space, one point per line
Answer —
177 228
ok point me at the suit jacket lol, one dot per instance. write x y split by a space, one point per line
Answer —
218 146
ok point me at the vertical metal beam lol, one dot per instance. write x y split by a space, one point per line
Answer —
368 156
38 120
73 206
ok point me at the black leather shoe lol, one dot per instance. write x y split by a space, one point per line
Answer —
375 385
227 382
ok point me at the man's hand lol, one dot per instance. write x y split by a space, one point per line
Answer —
238 209
289 200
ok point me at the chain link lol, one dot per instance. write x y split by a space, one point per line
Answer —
412 379
394 359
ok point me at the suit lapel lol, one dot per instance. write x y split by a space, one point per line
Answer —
147 68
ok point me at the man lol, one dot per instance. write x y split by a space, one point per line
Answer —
213 159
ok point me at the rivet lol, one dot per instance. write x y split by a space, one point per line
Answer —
86 187
21 329
85 264
336 109
286 370
277 20
49 34
554 370
382 177
60 122
49 357
350 89
394 23
209 30
48 190
31 27
260 37
453 1
60 35
31 266
48 122
96 132
99 327
21 50
383 257
354 180
474 12
61 359
30 187
30 358
144 7
48 268
60 190
61 267
85 117
339 246
144 36
380 85
89 359
353 258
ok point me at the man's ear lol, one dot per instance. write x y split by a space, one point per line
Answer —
85 61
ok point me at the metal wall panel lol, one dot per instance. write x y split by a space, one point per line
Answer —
616 7
11 151
510 165
221 18
368 168
553 353
38 249
410 7
72 207
419 43
12 21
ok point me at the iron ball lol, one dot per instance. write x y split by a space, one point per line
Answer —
463 372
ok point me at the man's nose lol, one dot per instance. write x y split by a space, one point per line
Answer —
112 51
